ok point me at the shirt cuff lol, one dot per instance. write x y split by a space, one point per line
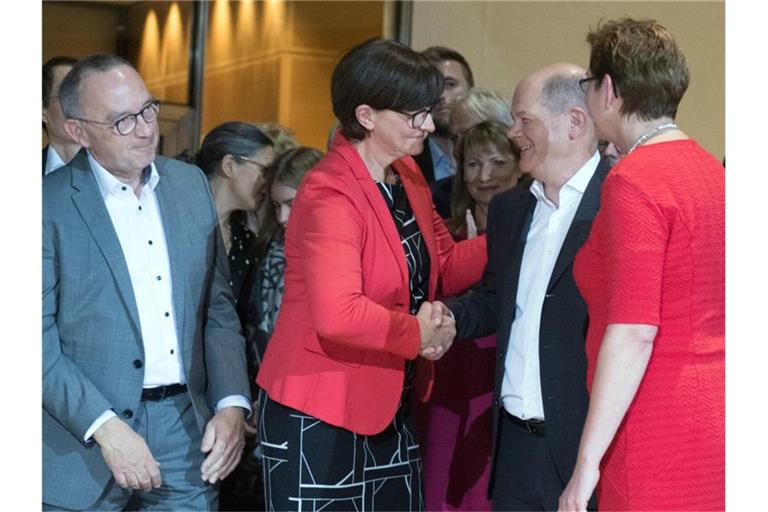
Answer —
96 424
235 401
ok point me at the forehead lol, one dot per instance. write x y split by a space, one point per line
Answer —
452 69
116 91
527 99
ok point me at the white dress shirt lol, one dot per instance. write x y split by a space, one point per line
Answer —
521 386
139 229
53 161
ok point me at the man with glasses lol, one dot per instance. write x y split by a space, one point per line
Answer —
61 148
528 295
144 379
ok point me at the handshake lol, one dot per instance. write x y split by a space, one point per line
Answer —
437 327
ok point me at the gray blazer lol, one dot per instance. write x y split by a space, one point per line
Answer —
92 347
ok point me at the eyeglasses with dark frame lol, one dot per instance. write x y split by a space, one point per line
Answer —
126 124
254 162
418 118
584 84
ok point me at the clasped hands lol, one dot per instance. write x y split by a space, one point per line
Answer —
438 329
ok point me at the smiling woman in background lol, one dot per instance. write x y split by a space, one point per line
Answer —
365 253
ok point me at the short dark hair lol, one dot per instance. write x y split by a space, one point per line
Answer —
645 63
234 138
48 68
69 92
383 74
438 54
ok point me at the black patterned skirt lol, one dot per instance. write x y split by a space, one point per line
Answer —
310 465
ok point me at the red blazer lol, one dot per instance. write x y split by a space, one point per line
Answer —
344 332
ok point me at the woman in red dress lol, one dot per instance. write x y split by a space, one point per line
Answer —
653 276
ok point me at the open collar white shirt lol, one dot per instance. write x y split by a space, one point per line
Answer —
53 160
521 385
139 228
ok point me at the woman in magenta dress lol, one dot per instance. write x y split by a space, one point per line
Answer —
653 276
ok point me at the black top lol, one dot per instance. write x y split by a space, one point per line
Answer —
241 253
416 255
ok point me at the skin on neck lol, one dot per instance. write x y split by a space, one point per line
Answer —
554 178
376 160
66 149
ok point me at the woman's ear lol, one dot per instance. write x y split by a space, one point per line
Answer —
227 167
366 116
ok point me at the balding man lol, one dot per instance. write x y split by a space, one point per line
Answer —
144 376
528 296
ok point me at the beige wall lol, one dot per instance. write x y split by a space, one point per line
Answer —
504 41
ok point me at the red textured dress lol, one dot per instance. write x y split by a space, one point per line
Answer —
656 255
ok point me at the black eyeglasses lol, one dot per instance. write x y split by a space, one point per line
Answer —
254 162
126 124
418 118
584 84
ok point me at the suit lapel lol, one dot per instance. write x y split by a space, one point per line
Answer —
378 204
93 211
170 215
581 225
512 251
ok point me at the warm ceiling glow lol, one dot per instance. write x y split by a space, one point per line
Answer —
150 45
220 33
174 47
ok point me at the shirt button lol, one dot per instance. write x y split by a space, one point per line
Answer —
124 189
150 242
167 314
159 278
172 351
128 414
139 208
137 363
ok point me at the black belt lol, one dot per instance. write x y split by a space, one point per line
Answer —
160 392
535 427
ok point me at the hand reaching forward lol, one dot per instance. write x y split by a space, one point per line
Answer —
437 330
127 456
223 441
471 225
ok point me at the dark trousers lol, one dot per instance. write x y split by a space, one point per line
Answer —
526 476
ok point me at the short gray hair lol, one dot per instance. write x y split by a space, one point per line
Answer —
561 92
69 91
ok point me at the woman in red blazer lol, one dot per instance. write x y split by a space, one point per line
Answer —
365 253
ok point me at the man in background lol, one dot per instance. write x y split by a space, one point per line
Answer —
436 161
61 148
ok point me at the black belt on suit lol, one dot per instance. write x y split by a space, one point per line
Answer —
160 392
535 427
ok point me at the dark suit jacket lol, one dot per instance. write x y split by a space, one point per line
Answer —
45 158
490 307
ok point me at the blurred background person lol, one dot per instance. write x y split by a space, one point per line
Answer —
365 252
265 282
234 155
61 148
282 137
608 151
652 273
455 425
479 104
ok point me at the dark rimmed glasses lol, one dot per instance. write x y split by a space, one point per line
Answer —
584 84
126 124
418 118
